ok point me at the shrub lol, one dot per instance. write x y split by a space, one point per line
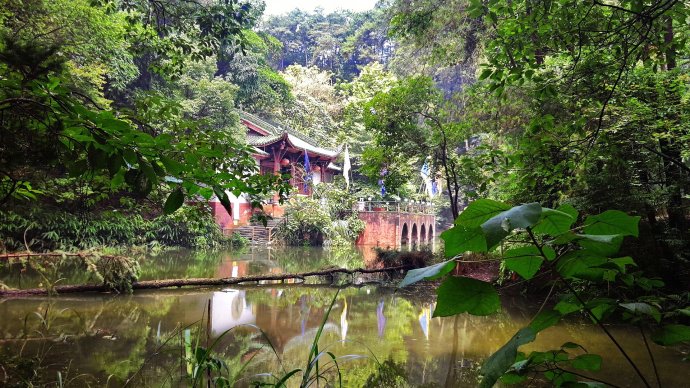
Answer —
325 219
47 229
306 222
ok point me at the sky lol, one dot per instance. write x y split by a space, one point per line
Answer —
276 7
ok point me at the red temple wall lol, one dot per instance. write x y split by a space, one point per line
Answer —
222 217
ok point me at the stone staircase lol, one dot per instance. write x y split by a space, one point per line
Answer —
258 234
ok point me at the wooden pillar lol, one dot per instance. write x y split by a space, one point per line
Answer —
276 168
276 161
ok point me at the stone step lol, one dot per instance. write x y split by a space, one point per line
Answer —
257 234
272 223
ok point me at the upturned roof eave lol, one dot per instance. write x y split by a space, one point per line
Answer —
276 133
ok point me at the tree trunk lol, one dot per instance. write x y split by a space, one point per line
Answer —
674 174
157 284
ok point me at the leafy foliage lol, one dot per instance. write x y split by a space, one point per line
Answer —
325 219
41 230
338 42
550 244
59 124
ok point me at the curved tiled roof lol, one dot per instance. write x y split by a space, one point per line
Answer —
278 133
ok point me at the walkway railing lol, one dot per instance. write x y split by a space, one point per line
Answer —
416 207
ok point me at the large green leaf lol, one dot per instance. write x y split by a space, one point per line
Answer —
612 222
530 250
479 211
431 272
544 320
466 295
589 362
556 222
174 201
568 306
623 262
223 198
672 334
640 308
114 125
527 260
171 165
460 239
601 307
148 170
603 244
499 362
581 264
500 225
130 157
526 267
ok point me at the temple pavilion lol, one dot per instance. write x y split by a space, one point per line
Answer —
278 149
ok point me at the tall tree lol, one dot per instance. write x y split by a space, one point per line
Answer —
412 126
53 121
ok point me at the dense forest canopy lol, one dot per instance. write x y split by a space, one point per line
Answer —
551 131
557 98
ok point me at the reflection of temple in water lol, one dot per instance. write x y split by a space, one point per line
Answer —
230 268
286 326
229 308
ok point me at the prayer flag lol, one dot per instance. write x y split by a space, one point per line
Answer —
347 167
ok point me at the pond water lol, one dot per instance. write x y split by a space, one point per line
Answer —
103 340
176 264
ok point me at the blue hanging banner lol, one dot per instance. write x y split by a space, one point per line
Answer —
307 171
384 172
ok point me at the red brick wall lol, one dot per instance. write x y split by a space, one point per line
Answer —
273 210
384 229
381 229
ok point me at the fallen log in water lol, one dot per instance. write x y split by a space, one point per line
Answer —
156 284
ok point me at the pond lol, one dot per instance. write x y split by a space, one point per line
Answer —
183 263
101 339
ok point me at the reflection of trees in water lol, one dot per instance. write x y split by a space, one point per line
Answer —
106 335
35 272
127 328
293 317
99 337
180 263
298 259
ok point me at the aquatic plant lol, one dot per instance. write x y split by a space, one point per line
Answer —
30 366
315 369
116 272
